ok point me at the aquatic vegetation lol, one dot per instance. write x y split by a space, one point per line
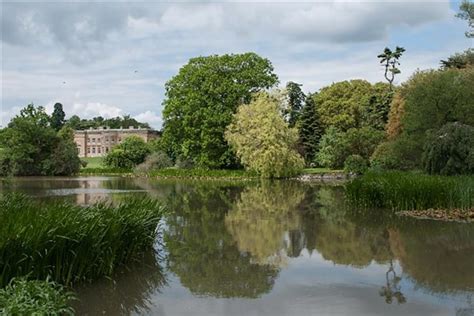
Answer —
69 243
410 191
22 297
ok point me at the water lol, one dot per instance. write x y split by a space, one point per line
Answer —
274 248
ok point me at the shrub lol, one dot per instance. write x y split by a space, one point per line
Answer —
450 150
131 152
22 297
399 154
70 243
154 161
183 163
356 164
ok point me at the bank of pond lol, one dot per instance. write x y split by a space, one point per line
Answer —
222 239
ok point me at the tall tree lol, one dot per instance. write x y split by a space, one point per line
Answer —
296 99
390 60
466 12
310 129
201 99
459 60
57 118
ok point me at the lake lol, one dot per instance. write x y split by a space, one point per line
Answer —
273 248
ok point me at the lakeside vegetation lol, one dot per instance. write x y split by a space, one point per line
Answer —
69 243
411 191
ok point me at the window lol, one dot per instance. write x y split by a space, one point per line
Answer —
88 150
98 150
88 139
93 150
106 149
112 138
93 140
106 139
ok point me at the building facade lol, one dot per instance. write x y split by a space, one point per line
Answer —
98 142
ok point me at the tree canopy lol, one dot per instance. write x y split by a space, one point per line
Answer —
201 99
76 123
263 140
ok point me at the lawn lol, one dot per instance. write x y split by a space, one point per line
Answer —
319 171
94 162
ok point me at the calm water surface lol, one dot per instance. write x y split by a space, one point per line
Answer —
274 248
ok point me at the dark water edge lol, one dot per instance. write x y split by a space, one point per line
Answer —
274 248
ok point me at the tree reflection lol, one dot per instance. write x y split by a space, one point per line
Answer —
262 216
392 289
201 251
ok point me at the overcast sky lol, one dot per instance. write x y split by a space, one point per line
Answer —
113 58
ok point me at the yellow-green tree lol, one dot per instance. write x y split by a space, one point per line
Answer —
263 140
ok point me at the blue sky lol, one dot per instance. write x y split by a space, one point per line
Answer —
85 54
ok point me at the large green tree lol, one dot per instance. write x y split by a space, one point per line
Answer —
296 99
32 147
201 99
263 140
128 154
310 129
353 104
466 12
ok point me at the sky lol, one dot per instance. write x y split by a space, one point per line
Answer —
113 58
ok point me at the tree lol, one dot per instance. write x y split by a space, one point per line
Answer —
131 152
389 59
310 130
459 60
32 147
466 12
450 150
262 139
296 97
353 104
57 118
201 99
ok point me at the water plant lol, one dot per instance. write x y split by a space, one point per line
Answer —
411 191
33 297
69 243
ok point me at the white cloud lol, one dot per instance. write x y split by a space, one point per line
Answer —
149 117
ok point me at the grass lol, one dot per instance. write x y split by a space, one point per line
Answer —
67 243
104 171
94 162
22 297
201 173
319 171
411 191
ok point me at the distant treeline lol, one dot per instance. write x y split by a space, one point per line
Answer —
76 123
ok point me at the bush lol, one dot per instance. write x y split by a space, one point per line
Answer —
22 297
154 161
183 163
70 243
450 150
399 154
131 152
356 164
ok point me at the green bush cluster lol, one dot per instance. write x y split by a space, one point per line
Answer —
356 164
154 161
128 154
69 243
33 297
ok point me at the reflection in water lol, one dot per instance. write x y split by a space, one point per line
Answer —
236 240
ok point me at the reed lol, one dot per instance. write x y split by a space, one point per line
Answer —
68 243
411 191
22 297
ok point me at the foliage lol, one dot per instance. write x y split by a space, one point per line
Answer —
104 171
310 130
390 60
154 161
397 110
183 163
201 99
22 297
401 153
296 97
32 147
202 173
356 164
262 139
409 191
353 104
466 12
459 60
450 150
336 146
57 118
70 243
76 123
128 154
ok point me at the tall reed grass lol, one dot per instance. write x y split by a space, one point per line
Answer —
68 243
411 191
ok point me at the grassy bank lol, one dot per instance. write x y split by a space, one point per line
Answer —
105 171
201 173
94 162
69 243
411 191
